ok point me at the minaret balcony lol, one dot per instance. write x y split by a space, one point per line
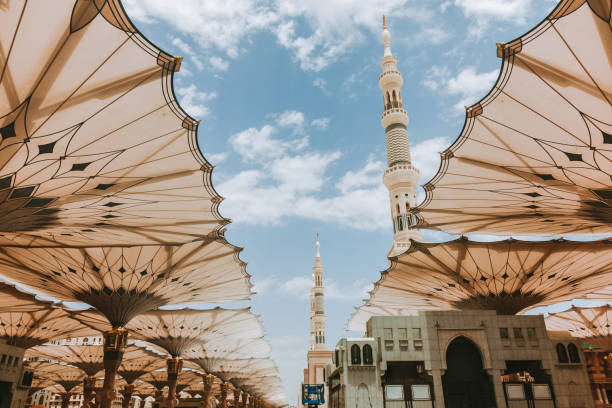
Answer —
390 79
401 175
394 115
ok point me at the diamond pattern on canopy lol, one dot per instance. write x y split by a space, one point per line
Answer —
229 369
231 348
508 276
591 324
26 321
535 154
122 282
177 331
89 358
158 379
139 365
94 147
67 377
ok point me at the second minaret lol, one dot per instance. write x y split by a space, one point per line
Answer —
400 177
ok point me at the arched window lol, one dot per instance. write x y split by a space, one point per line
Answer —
397 210
562 353
367 354
394 99
355 354
574 355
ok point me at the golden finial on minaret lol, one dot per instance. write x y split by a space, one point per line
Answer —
384 22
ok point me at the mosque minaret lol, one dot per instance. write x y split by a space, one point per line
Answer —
400 177
317 305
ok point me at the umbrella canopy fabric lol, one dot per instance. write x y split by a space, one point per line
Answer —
123 281
94 146
535 154
26 321
177 331
592 324
508 276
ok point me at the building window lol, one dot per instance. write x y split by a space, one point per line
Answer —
402 335
416 333
503 333
531 333
388 333
518 333
355 354
574 355
367 354
562 353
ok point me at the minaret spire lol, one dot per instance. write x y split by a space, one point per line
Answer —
317 305
400 177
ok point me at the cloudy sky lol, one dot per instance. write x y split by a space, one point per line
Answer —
288 97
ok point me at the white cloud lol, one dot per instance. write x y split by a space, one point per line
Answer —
258 144
298 286
193 100
320 83
369 175
218 63
483 12
216 158
186 49
288 180
320 123
261 286
290 118
468 84
315 32
471 86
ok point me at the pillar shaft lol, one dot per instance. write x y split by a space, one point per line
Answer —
224 390
208 382
66 399
174 367
89 385
114 346
127 395
236 397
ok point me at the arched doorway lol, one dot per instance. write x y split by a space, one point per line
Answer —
465 383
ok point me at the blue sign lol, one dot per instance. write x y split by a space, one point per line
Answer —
313 394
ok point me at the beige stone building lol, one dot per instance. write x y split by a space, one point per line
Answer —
457 359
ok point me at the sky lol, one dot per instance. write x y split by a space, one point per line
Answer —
288 96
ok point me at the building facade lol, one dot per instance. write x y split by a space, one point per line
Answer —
318 356
15 379
475 359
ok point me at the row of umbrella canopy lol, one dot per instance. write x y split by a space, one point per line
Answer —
106 199
534 158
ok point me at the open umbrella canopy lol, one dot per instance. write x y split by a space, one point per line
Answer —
26 321
176 331
89 358
508 276
121 282
535 154
94 146
360 317
592 324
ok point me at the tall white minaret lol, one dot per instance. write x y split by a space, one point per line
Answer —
400 177
317 306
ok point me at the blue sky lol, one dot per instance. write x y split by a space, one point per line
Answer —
290 107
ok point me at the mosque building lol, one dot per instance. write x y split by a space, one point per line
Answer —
425 346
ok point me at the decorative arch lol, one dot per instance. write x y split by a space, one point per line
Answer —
562 353
355 354
368 355
574 354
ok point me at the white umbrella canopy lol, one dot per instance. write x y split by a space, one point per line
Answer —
535 154
27 321
122 282
94 147
509 276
